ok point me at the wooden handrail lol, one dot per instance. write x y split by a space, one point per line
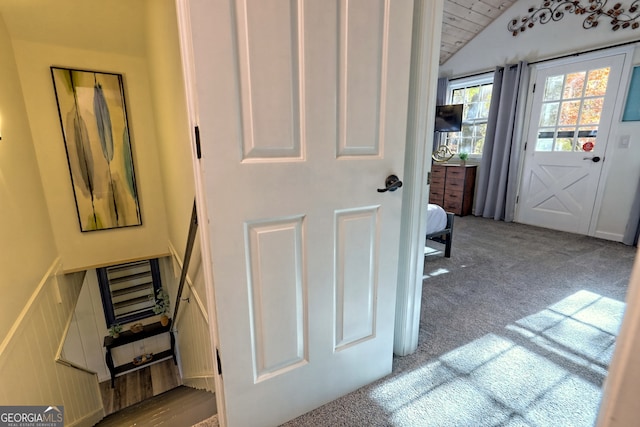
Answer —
193 228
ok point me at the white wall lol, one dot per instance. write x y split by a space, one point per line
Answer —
496 46
173 131
26 238
37 300
80 250
195 351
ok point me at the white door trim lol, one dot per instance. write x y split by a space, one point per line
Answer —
427 27
186 52
610 147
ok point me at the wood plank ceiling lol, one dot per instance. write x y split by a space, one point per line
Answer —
464 19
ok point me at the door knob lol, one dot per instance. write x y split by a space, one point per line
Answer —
392 183
594 159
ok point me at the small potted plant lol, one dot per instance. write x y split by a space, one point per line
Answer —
463 158
162 306
115 330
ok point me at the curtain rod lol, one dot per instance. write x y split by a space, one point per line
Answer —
555 58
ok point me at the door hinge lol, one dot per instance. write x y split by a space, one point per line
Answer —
534 88
428 178
219 362
525 146
517 199
198 149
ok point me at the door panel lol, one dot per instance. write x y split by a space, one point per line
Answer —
278 296
569 126
302 113
268 45
363 65
356 248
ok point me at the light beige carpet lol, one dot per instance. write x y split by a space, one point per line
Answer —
209 422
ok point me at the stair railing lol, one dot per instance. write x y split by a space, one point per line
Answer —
193 228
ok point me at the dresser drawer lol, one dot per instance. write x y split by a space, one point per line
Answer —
453 204
455 184
438 171
452 187
456 173
437 183
436 197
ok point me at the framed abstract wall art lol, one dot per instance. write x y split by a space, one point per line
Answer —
93 117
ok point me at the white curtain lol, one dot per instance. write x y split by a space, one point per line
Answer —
498 174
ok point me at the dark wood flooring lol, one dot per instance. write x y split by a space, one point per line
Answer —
180 407
154 396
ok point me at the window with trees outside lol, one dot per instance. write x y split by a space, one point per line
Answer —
571 109
475 95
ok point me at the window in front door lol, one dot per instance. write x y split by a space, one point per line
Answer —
571 108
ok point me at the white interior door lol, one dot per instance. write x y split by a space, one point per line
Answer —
571 117
302 113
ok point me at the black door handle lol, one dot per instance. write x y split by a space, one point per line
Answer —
392 183
594 159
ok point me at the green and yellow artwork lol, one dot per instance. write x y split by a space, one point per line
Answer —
93 117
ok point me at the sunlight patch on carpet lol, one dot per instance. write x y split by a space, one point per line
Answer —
495 380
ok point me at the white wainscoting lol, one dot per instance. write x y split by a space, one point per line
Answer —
28 368
193 339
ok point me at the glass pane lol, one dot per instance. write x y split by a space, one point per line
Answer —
587 131
544 144
467 131
574 85
453 140
597 82
553 88
472 111
486 92
472 94
549 114
478 145
566 133
484 110
458 96
569 113
582 144
465 145
591 111
563 144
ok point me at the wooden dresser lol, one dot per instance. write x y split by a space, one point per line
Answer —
452 187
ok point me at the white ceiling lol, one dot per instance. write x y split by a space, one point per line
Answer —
464 19
115 25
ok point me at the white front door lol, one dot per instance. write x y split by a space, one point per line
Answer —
302 113
571 117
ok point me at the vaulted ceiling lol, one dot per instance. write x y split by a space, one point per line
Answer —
463 19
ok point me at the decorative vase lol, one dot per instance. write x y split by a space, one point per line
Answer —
164 320
463 162
116 335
